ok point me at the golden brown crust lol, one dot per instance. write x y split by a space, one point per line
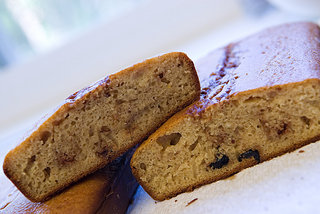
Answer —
78 99
278 59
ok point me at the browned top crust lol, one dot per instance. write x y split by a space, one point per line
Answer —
278 55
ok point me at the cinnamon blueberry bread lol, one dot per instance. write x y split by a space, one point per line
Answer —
260 98
99 123
108 190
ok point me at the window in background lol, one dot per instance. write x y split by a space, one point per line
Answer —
28 27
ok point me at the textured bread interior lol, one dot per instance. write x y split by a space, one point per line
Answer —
101 125
249 128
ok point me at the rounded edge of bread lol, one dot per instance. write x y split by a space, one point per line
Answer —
179 118
72 100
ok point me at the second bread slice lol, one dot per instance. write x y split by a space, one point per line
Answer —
99 123
259 99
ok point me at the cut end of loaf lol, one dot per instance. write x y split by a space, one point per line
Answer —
101 122
240 132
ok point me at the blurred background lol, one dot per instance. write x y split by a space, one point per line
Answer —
31 27
51 48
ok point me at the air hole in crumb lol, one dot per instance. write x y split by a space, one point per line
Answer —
115 93
45 136
120 101
252 99
91 132
104 129
180 64
306 120
169 140
47 172
163 79
77 118
143 166
73 123
282 129
107 93
193 146
30 163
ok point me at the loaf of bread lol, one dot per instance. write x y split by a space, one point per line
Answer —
260 98
109 190
99 123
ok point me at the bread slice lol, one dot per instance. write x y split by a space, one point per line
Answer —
260 99
109 190
99 123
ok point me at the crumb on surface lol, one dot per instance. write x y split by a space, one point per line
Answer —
191 202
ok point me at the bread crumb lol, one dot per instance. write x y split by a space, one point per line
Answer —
191 202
